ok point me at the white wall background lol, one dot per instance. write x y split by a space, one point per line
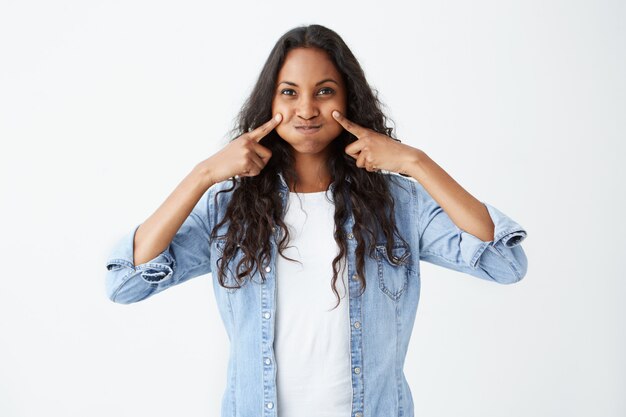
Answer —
106 105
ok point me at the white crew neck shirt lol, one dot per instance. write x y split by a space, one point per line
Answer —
312 342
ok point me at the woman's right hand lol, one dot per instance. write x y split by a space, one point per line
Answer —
243 157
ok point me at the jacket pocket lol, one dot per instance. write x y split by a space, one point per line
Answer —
393 278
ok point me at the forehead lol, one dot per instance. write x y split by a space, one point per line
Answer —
307 65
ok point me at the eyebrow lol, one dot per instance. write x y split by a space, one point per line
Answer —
320 82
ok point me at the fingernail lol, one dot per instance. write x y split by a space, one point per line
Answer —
335 113
278 117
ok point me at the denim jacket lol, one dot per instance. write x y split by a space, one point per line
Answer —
381 319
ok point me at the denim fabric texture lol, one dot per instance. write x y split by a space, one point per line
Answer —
381 319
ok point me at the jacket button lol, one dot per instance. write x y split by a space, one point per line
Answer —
270 405
267 361
355 277
280 194
357 370
350 236
273 228
267 315
357 324
268 269
358 415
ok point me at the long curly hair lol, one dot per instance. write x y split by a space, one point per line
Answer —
256 210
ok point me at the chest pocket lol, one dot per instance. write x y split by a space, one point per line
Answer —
393 279
229 272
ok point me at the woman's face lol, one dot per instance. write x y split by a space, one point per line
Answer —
308 88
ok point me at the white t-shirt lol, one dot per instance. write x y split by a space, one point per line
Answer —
312 342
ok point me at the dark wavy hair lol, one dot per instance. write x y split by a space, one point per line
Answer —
255 208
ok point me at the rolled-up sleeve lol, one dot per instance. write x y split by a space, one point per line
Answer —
443 243
187 256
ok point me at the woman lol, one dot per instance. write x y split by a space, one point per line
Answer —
308 194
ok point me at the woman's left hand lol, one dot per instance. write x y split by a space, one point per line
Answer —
375 151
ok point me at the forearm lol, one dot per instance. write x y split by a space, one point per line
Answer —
156 233
467 212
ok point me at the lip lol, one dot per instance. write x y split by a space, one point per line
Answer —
308 130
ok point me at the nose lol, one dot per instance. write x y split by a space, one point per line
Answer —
306 108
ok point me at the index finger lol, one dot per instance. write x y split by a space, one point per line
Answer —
260 132
351 127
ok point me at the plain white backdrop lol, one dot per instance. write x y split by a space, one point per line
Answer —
106 105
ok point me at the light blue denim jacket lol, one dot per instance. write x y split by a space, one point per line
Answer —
381 319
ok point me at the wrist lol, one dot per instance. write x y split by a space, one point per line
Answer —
201 175
414 164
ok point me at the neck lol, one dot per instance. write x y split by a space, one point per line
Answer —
313 175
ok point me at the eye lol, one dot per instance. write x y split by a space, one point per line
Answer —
328 89
286 90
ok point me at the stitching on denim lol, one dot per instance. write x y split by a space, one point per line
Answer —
170 262
478 254
397 369
125 279
121 261
506 232
381 276
442 257
509 263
